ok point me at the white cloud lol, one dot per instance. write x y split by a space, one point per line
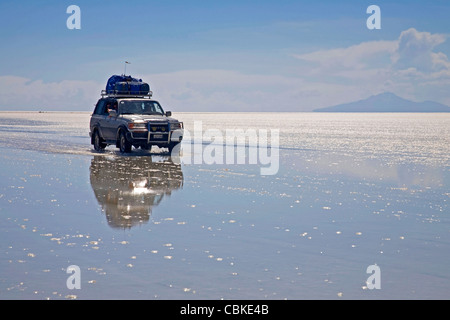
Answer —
18 93
356 57
415 50
407 66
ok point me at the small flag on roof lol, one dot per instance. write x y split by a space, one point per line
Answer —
125 71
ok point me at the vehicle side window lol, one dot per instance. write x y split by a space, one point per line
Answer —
100 108
114 105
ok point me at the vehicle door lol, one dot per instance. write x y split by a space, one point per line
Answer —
98 118
112 122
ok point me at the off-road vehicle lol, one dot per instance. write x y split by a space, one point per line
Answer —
126 120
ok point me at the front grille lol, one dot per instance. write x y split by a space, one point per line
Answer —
158 127
158 132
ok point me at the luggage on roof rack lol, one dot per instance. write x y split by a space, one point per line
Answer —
126 85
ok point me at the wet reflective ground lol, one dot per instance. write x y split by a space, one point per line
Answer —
127 188
145 226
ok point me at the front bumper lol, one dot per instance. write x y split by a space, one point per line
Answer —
156 138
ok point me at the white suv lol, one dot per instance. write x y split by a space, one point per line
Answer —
139 121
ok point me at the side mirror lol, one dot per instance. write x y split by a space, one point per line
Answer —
168 113
113 113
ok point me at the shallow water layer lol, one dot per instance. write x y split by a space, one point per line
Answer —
350 192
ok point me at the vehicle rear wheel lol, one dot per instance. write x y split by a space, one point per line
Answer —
124 145
99 144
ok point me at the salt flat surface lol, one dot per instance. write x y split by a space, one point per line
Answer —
352 190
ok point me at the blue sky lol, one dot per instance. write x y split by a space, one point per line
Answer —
224 55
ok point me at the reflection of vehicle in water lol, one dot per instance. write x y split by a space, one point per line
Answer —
128 187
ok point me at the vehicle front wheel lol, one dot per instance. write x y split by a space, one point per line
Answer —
124 144
99 144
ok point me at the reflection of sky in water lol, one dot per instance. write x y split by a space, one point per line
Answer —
223 231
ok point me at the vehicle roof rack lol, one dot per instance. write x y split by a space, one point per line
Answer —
122 94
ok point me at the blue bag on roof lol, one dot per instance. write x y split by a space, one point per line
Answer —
126 85
111 84
121 87
138 87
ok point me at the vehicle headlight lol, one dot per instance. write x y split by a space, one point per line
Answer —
176 125
137 126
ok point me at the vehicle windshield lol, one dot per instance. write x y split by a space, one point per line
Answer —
140 107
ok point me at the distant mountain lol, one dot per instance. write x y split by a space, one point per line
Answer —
387 102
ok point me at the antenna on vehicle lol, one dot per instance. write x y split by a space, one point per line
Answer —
125 72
